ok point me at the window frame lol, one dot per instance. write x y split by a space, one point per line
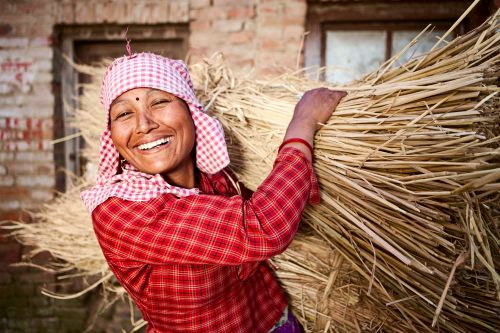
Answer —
326 13
389 27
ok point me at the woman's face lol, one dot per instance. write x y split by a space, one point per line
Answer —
153 130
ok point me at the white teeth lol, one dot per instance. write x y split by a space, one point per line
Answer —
153 144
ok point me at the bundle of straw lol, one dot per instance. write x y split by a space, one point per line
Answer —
409 167
406 238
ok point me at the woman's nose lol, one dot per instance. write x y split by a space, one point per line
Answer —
145 122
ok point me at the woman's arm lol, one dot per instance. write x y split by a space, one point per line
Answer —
213 229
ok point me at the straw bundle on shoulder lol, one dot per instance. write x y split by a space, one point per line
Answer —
409 167
406 238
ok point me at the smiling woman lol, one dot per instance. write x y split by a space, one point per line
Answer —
153 131
181 234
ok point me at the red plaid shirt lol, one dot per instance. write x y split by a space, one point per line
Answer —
197 263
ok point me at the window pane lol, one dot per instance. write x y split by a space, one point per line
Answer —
401 38
352 54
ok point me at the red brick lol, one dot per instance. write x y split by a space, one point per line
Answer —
199 25
293 32
5 29
275 21
13 192
234 54
143 12
84 13
227 25
6 180
294 20
268 71
197 54
209 13
116 13
241 12
207 40
45 169
292 45
296 9
243 65
177 12
270 32
270 9
66 13
31 8
249 25
14 215
199 3
272 44
42 41
241 37
231 2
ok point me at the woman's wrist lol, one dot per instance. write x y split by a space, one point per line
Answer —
298 131
297 140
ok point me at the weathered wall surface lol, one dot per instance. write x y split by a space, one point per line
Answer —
252 33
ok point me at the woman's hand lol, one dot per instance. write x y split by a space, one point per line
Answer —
314 108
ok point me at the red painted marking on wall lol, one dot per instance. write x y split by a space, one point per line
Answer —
27 133
15 66
19 68
15 133
39 132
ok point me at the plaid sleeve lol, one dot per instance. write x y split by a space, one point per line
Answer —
211 229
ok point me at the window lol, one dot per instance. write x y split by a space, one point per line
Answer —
352 51
353 38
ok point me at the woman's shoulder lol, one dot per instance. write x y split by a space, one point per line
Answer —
114 206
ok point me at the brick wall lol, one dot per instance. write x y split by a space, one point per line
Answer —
252 33
262 35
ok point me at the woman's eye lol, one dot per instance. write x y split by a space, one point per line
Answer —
122 114
160 102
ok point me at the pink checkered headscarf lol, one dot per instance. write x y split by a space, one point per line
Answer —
147 70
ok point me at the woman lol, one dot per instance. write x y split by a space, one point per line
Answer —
188 247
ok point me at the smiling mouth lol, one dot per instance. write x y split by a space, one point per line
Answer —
154 144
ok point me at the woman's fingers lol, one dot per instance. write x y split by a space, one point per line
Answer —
317 105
